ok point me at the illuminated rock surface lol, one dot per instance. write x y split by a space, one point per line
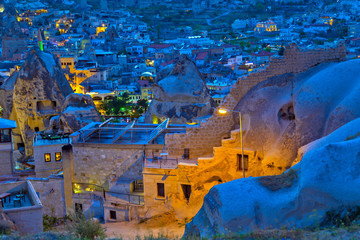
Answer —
181 96
37 93
288 111
327 178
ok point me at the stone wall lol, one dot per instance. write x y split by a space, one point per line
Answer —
51 194
94 163
201 140
222 167
42 168
153 176
5 159
28 220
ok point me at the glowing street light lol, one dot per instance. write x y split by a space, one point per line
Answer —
223 111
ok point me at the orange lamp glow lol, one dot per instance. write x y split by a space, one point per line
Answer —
222 111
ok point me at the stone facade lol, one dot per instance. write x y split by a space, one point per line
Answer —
224 166
201 140
51 194
28 220
5 159
95 163
44 169
123 212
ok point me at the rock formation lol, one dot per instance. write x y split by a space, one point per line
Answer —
288 111
327 178
182 96
37 93
77 111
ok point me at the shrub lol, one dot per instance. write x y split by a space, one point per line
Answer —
85 228
5 227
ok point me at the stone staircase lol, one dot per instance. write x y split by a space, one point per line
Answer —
111 180
206 162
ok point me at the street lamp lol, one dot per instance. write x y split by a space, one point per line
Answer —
224 111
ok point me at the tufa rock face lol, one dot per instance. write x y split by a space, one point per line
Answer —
39 92
288 111
77 111
327 178
181 96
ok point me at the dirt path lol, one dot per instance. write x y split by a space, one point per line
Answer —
131 230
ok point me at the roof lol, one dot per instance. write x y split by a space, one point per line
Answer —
6 123
144 83
226 45
168 62
159 46
201 56
262 54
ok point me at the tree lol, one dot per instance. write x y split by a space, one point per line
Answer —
259 7
143 103
117 105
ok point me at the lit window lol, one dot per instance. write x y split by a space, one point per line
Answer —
47 157
58 156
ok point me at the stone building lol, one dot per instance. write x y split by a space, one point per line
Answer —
48 154
26 212
6 146
107 162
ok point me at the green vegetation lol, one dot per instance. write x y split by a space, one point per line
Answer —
278 182
5 228
120 106
51 221
84 227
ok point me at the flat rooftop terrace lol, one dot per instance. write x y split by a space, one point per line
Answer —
130 133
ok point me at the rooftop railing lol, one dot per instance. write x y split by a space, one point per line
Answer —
159 162
136 199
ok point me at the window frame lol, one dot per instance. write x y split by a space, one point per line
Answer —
111 212
239 162
56 155
186 153
45 157
158 190
1 131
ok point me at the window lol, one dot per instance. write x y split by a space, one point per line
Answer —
112 214
5 135
186 153
161 189
186 190
47 157
58 156
239 162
